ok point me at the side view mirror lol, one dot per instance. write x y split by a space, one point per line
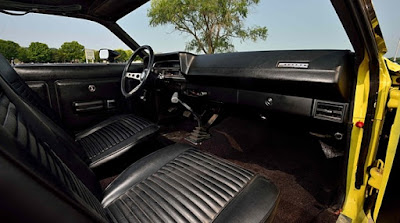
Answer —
109 55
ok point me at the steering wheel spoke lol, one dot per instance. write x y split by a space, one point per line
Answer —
136 76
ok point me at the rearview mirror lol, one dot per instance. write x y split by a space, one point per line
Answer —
109 55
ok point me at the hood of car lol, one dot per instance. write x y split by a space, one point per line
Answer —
104 10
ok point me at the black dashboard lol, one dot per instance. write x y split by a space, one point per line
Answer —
312 83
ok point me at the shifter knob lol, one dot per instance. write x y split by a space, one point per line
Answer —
174 98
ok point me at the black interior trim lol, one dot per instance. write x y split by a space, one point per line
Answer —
328 72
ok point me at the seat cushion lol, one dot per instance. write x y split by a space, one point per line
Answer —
113 137
182 184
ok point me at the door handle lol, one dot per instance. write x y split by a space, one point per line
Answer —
88 106
98 105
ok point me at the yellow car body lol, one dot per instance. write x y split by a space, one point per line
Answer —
376 172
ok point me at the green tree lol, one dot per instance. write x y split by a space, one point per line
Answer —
128 53
55 56
123 56
212 23
23 55
96 56
71 51
39 52
9 49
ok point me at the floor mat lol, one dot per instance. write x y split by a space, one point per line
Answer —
291 158
296 203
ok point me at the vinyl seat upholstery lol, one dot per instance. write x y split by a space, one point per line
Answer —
113 137
44 179
182 184
101 143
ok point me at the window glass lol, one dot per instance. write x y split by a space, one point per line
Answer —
311 24
40 38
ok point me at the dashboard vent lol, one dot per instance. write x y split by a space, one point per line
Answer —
331 111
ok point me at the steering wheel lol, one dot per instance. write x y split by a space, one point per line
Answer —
141 77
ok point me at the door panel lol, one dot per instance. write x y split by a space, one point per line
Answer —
66 88
84 102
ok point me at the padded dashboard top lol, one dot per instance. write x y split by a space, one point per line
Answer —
323 74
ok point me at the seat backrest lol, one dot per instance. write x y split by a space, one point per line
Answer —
24 91
32 104
38 163
36 186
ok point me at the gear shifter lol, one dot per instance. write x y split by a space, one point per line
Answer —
200 133
175 99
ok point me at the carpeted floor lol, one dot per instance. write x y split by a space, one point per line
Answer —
290 157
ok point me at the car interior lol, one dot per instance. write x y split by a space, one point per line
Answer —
233 137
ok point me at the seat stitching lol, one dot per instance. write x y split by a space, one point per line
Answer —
226 171
139 186
209 175
193 194
191 205
165 201
110 137
139 208
200 189
205 167
111 215
217 193
172 197
146 203
233 198
121 149
129 210
229 193
236 169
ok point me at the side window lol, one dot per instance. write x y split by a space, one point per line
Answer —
37 38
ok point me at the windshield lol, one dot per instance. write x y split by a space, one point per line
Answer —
311 24
290 25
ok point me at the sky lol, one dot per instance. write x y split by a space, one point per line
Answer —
307 24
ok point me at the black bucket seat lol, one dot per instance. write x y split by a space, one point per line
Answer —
43 179
101 143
